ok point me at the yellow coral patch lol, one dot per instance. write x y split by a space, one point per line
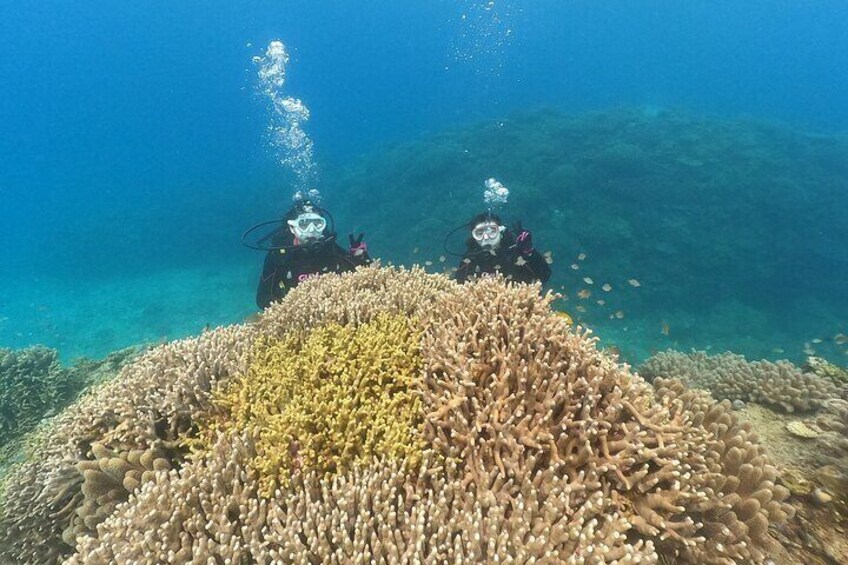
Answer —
341 395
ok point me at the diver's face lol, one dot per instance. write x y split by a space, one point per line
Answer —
487 234
308 227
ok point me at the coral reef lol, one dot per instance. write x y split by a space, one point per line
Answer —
810 449
815 473
730 376
420 421
34 386
702 211
148 406
343 395
827 370
743 494
31 384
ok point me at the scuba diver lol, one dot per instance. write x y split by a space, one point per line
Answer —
302 248
492 248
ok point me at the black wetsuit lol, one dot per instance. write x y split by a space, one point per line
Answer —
507 260
286 268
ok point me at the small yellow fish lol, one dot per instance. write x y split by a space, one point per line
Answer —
664 329
634 283
584 293
619 314
581 257
588 280
607 287
565 316
574 266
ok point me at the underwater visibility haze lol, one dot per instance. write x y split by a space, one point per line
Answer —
698 148
683 168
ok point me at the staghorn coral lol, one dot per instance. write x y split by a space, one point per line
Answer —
533 445
507 382
729 376
346 393
64 384
104 482
153 400
742 495
346 300
424 515
31 384
208 508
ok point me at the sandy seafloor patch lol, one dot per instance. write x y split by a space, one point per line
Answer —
99 316
95 317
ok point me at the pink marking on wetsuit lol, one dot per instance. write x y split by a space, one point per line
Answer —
306 276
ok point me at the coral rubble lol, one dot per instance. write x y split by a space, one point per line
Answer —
395 416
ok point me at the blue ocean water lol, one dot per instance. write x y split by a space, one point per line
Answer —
135 152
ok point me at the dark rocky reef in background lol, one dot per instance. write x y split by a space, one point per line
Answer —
699 209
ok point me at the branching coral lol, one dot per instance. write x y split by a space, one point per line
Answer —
349 300
152 402
742 497
47 393
418 421
345 394
31 383
729 376
508 384
208 508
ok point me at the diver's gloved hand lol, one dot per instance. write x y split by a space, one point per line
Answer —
357 246
524 242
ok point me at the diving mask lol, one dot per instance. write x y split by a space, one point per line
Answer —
487 234
308 226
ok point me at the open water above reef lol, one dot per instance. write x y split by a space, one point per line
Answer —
711 234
